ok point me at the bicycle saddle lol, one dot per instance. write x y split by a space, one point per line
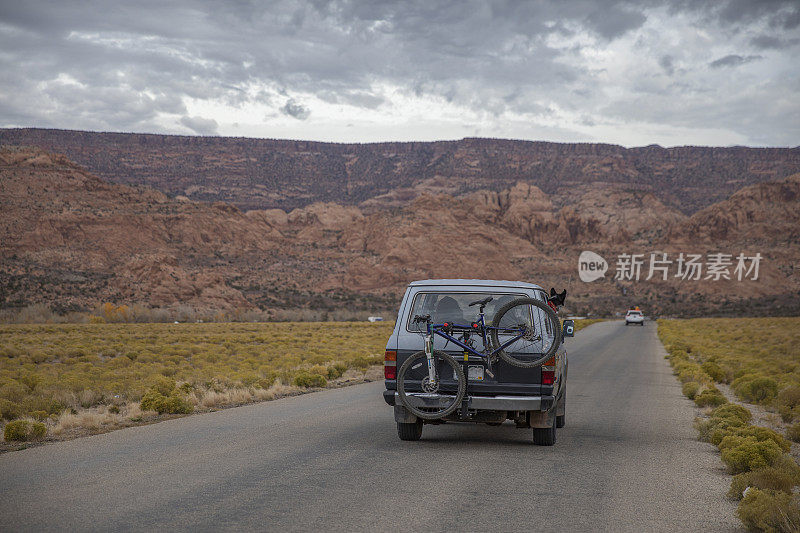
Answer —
482 302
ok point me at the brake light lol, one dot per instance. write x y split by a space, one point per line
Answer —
390 364
549 371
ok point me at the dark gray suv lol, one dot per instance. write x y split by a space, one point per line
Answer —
530 397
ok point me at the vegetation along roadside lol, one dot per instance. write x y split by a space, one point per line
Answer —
60 381
64 380
585 323
758 361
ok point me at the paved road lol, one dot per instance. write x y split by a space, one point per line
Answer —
626 461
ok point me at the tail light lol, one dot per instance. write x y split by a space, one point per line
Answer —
390 364
549 371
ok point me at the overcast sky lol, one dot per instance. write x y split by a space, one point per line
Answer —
674 73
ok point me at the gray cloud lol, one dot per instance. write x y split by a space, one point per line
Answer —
566 66
766 42
666 63
200 125
612 21
733 60
293 109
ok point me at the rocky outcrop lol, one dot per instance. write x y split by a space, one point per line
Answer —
147 247
266 173
763 212
70 239
611 213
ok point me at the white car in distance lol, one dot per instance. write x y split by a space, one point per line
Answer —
634 316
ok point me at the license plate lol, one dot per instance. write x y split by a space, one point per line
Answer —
474 373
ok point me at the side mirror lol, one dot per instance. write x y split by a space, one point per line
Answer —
569 328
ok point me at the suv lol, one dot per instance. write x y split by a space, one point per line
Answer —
634 316
530 397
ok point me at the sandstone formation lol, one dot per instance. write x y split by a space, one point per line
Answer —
266 173
72 240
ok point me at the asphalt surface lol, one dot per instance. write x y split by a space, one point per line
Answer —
627 460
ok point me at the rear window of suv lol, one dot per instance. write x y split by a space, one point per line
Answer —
454 307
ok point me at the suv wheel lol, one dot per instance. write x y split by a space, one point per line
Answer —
412 431
545 436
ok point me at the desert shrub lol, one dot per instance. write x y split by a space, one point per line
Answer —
759 433
336 370
784 475
710 398
692 372
363 362
726 416
175 404
678 355
165 398
793 432
755 388
769 510
13 390
690 389
732 411
9 410
679 345
172 404
164 385
318 369
24 430
89 398
305 379
789 414
266 382
742 454
788 402
714 370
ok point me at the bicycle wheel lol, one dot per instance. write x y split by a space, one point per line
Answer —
540 328
431 399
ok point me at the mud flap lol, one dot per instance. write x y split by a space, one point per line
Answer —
561 409
541 419
403 415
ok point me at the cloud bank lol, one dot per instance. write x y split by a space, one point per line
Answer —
633 73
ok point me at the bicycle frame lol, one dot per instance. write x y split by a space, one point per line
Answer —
436 329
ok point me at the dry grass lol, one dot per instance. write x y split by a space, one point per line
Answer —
92 376
585 322
760 358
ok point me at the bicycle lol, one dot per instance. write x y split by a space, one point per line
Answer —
432 395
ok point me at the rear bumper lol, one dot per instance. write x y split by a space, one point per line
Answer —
480 403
